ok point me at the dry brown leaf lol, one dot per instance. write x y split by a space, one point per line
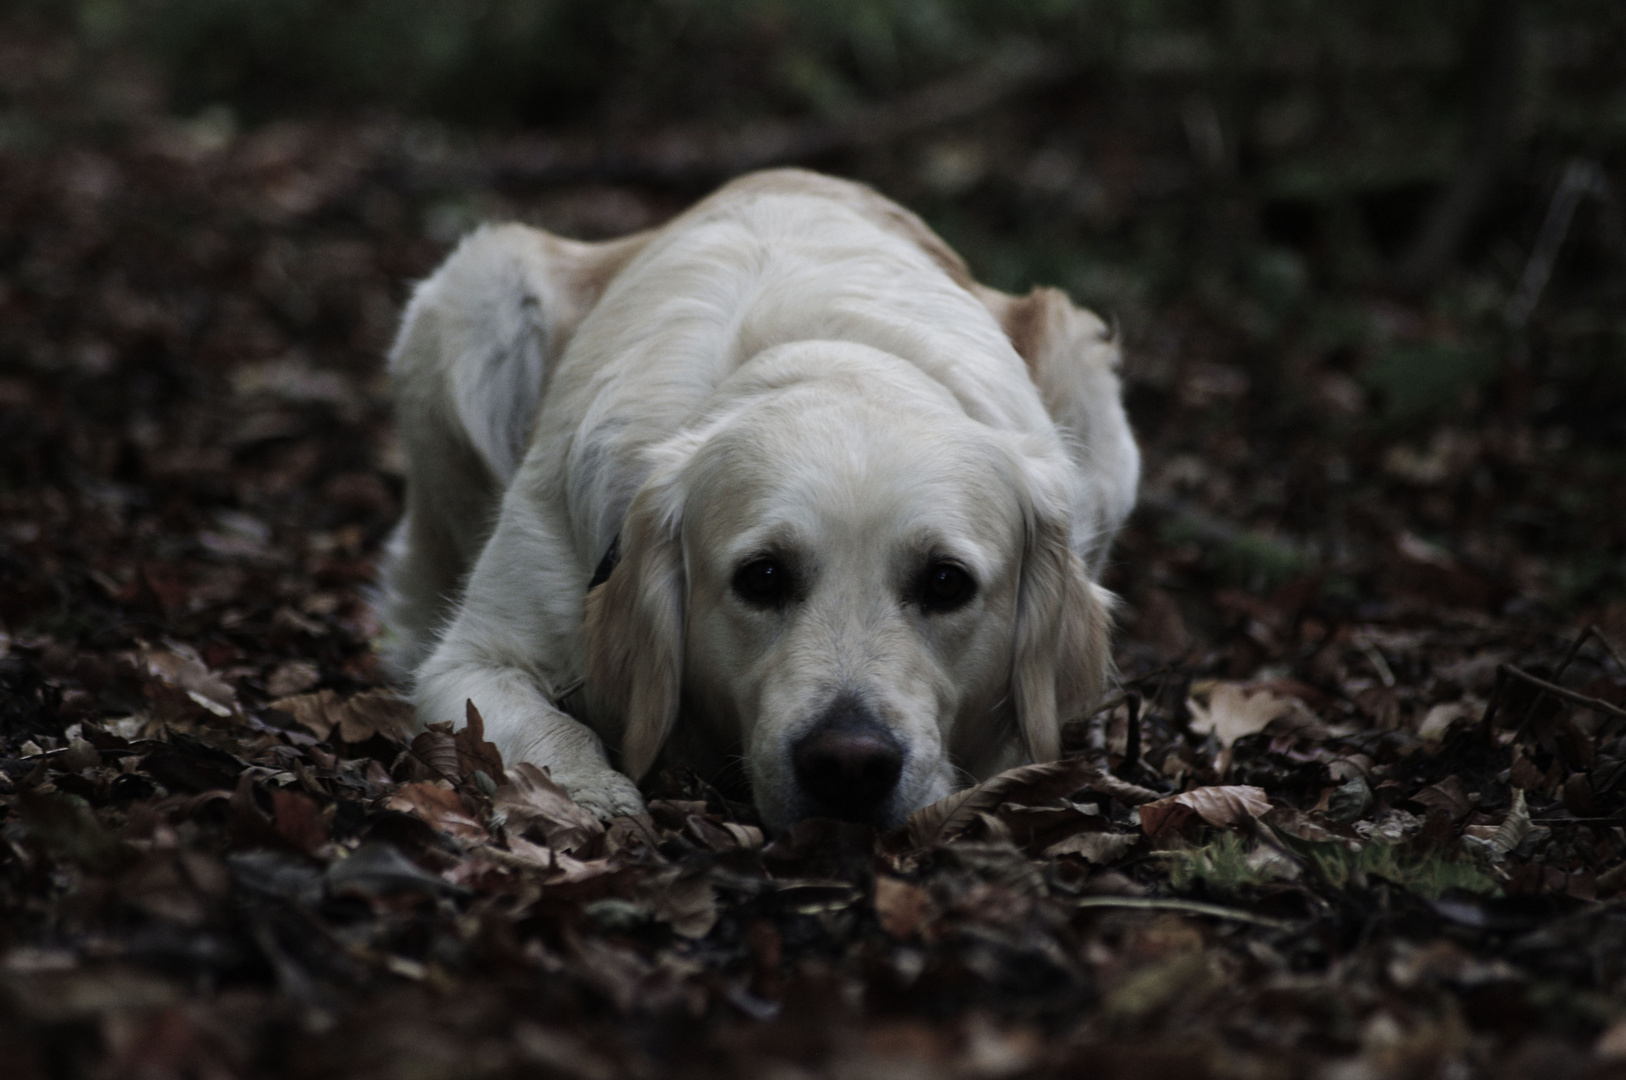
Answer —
439 807
318 712
356 719
377 712
1122 791
530 799
683 898
557 867
1096 847
298 820
1300 826
474 753
948 818
1220 806
292 677
435 752
1034 828
1447 795
902 908
182 668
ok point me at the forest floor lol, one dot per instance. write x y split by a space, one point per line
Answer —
1354 811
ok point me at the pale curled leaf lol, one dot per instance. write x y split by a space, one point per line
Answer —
1498 841
685 899
182 668
1220 806
556 867
530 799
1100 848
1233 712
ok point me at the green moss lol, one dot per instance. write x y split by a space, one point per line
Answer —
1231 863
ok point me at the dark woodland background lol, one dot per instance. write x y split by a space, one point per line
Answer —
1368 266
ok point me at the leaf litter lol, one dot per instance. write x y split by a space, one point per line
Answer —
1367 821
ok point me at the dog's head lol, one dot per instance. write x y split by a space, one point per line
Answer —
852 586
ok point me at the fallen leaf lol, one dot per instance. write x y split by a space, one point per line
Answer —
1220 806
439 807
1233 712
1300 826
292 677
1497 841
683 898
297 820
901 907
948 818
1446 795
355 719
530 799
474 753
1100 848
1438 720
434 753
181 667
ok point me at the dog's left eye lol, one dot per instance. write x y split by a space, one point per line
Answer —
946 587
763 582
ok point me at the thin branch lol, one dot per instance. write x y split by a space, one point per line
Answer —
1192 907
1614 654
1580 178
1596 704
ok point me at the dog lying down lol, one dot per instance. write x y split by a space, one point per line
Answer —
776 484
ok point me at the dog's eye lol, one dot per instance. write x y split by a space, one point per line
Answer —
763 582
946 587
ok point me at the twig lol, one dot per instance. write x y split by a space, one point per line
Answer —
1596 704
1131 739
1192 907
1614 654
1385 675
1580 178
1569 655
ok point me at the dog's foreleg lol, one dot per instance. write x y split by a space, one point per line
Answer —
525 726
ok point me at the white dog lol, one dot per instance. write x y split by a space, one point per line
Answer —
844 504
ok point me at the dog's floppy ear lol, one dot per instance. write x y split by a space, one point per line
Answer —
1063 628
634 631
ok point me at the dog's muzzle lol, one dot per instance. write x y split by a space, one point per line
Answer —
849 764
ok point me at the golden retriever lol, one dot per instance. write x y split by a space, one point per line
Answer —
776 484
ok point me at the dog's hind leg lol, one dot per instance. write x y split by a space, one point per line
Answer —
469 370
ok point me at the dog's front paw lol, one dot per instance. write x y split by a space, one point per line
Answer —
607 794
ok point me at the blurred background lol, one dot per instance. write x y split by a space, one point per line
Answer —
1365 260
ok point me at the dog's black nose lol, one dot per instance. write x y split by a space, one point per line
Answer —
849 763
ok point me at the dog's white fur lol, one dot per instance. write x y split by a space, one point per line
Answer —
795 365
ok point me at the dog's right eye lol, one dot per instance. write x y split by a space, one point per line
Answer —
763 582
